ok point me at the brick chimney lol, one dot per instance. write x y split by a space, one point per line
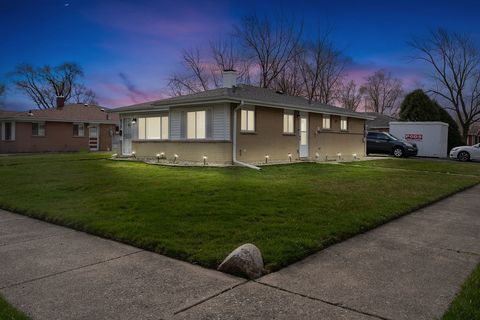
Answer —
60 102
229 78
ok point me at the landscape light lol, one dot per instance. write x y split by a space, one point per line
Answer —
114 155
158 157
317 155
339 156
175 156
266 158
204 160
290 157
354 156
133 154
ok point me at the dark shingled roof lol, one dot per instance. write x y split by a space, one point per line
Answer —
69 113
249 94
381 120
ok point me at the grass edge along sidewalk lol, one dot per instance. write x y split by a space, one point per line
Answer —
201 214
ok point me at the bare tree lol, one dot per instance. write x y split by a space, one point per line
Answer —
349 96
3 89
200 73
227 56
44 84
290 80
455 68
322 69
381 92
81 94
271 45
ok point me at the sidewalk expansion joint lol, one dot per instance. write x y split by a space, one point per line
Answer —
339 305
70 270
210 297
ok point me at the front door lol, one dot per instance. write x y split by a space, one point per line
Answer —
127 136
303 147
93 137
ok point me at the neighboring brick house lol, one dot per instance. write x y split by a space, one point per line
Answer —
73 127
474 134
241 124
381 123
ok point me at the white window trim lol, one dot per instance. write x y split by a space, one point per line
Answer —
247 130
288 114
342 119
196 125
3 127
325 117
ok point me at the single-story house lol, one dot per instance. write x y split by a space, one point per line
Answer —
474 134
65 128
380 122
241 124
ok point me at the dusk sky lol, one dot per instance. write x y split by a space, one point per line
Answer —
128 48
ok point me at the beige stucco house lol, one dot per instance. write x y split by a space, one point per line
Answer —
241 124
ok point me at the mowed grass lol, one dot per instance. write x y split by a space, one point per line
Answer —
466 305
7 312
202 214
444 166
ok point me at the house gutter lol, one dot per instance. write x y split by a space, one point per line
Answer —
234 147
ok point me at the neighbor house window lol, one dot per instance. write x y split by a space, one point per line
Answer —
78 130
153 128
288 122
196 125
326 121
8 131
343 124
38 129
247 120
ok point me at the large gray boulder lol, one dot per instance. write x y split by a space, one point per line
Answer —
246 260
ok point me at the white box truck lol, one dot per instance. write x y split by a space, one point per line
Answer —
431 138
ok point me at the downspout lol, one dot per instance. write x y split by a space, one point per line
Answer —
234 148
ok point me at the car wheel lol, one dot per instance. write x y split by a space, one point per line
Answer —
398 152
464 156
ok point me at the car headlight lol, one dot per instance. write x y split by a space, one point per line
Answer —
455 149
408 145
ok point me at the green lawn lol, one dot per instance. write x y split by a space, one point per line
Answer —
445 166
7 312
466 305
201 214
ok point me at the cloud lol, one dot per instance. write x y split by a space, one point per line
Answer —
160 19
133 92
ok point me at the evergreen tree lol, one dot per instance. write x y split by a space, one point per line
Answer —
417 106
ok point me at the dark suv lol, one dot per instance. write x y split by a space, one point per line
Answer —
385 143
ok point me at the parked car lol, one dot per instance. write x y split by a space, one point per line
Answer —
386 143
466 153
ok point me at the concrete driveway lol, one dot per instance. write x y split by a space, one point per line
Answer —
410 268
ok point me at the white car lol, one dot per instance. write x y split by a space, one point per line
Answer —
466 153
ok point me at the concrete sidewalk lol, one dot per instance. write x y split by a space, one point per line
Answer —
410 268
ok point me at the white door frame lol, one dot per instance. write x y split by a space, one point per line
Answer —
303 135
127 135
96 146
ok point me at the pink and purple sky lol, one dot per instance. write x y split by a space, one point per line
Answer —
128 48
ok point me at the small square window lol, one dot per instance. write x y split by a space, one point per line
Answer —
247 121
343 124
326 121
288 122
38 129
78 130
